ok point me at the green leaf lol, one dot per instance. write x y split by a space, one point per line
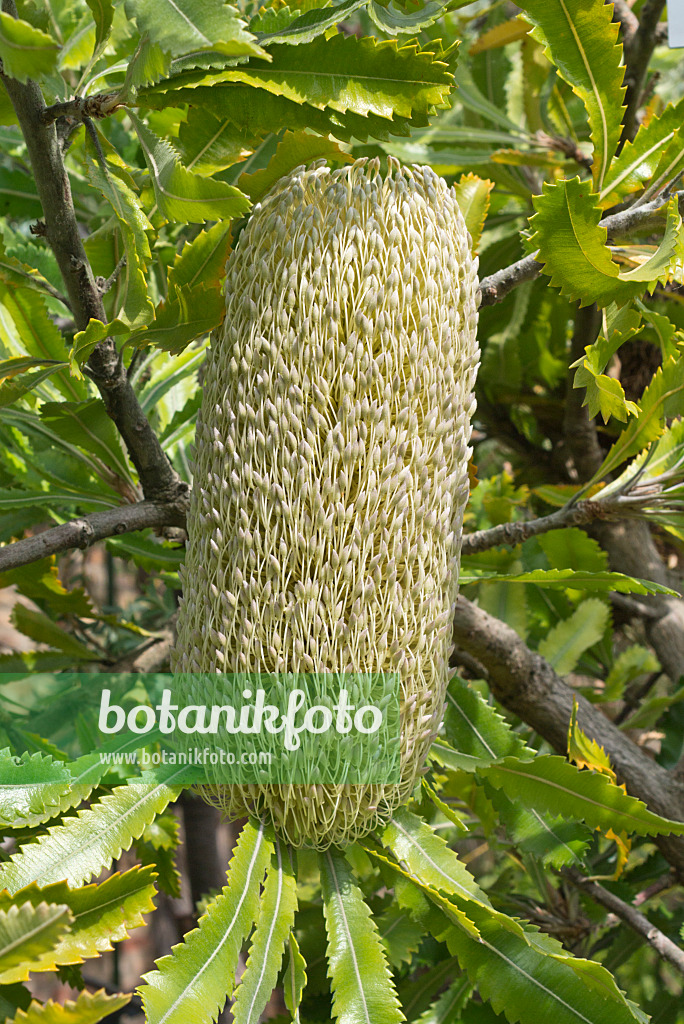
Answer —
82 846
25 51
567 641
100 914
294 978
19 386
36 334
203 260
637 162
18 195
552 841
554 786
472 195
147 552
311 24
149 64
527 984
295 148
392 20
209 143
26 934
427 857
572 548
182 196
661 400
363 990
274 924
449 1007
187 314
40 581
476 730
31 788
572 248
134 227
89 1008
181 26
631 663
87 425
561 579
39 627
103 13
344 73
195 980
400 933
581 41
85 342
605 395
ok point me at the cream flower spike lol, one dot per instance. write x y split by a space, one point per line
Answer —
331 467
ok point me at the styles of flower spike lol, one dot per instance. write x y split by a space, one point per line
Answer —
331 465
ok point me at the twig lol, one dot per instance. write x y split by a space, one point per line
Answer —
81 533
512 534
105 283
579 428
627 19
81 107
528 686
663 946
159 480
496 286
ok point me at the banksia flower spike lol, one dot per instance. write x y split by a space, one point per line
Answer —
331 468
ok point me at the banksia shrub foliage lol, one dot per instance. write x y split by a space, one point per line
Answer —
331 468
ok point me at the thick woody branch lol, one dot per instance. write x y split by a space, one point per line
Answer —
528 686
81 533
663 946
159 480
497 286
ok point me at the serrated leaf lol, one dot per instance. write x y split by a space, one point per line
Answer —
636 164
81 847
295 148
87 425
274 923
181 26
134 227
25 51
39 627
103 13
28 933
581 41
475 729
448 1008
604 394
661 400
149 64
572 548
89 1008
100 914
401 935
344 73
427 856
392 19
195 980
187 314
86 341
313 23
628 666
31 787
294 978
554 786
203 260
362 986
40 581
181 195
561 579
567 641
569 243
547 837
209 143
527 984
28 328
472 195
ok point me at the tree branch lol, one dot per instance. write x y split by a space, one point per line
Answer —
665 947
528 686
511 534
579 429
496 286
159 480
81 533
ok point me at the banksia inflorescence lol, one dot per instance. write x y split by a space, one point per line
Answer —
331 467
